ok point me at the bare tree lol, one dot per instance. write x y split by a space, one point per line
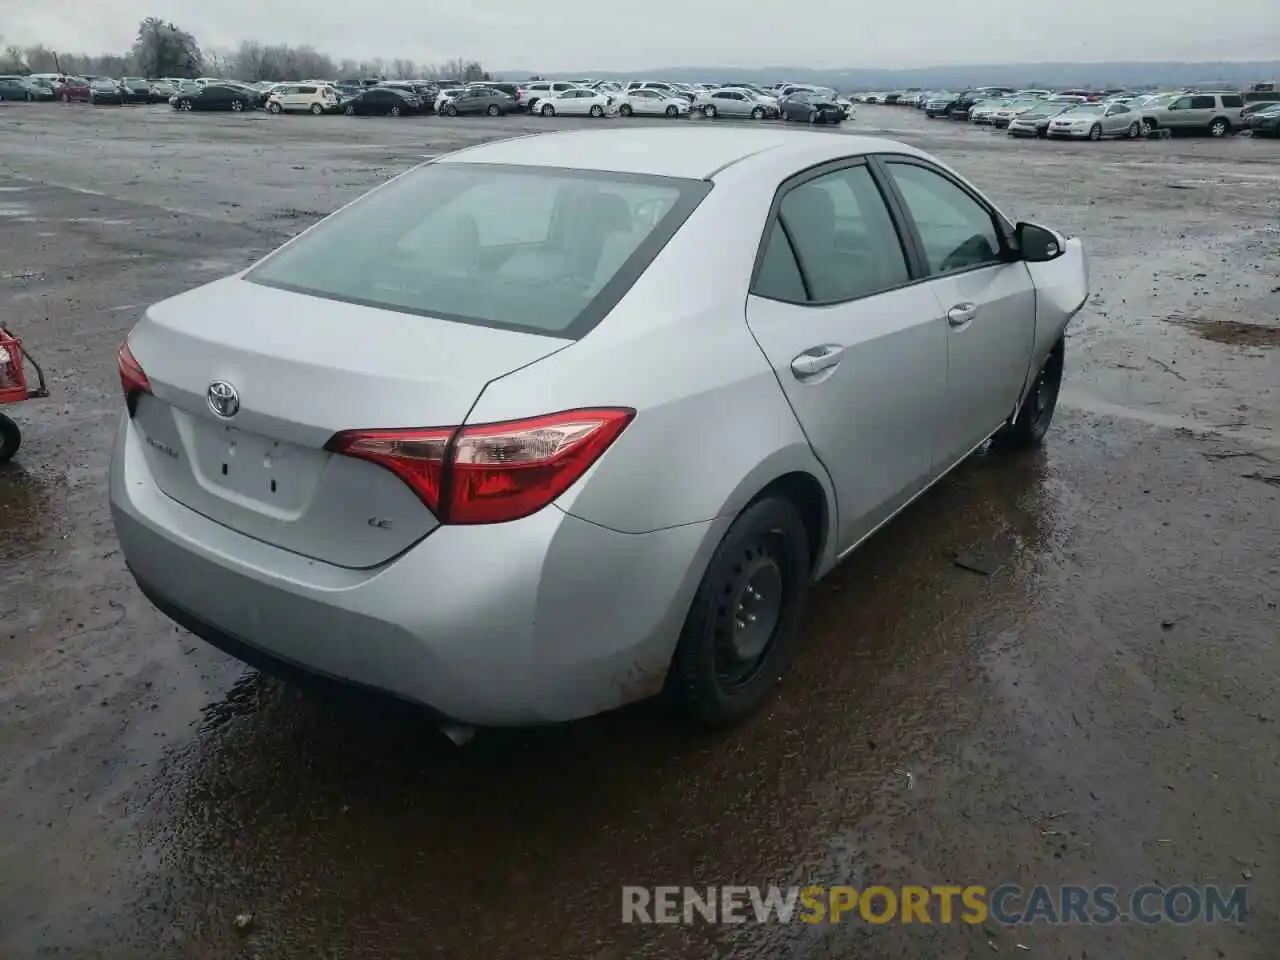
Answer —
13 60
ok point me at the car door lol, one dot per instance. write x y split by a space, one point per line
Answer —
859 349
987 297
643 101
1117 119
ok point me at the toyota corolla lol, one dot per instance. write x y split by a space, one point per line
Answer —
553 424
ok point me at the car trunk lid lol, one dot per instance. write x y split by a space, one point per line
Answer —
302 369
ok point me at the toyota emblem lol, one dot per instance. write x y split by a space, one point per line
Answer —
223 399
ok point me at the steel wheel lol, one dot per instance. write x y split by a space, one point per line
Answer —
1219 128
1036 413
743 621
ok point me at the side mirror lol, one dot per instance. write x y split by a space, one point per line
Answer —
1037 244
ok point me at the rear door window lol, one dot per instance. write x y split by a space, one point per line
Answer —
833 240
1232 100
520 248
1202 103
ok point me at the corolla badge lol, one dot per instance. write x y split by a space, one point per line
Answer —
223 399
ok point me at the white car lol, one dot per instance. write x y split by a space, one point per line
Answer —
303 97
575 103
539 90
648 102
984 111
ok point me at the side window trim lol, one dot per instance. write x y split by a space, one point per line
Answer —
901 225
1003 229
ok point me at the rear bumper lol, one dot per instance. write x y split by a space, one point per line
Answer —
540 620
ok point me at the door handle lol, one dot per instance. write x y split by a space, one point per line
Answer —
816 360
962 314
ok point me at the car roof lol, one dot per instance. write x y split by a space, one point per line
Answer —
698 154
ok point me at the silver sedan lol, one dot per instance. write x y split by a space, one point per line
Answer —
1094 121
734 102
560 422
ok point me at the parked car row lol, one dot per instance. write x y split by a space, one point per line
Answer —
1095 115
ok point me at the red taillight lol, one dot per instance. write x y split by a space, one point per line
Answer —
493 472
133 380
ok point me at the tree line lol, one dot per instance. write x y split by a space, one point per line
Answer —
162 49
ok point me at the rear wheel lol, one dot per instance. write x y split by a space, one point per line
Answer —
1134 130
1036 413
741 628
450 110
1219 128
10 439
493 110
316 109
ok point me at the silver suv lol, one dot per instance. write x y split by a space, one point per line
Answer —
1217 113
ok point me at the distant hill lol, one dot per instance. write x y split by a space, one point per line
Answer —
1088 75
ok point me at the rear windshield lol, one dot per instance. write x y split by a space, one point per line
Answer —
535 249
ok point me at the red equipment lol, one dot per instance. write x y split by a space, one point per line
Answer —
14 388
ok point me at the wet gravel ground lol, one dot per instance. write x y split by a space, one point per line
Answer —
1102 707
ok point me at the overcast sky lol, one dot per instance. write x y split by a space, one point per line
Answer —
554 35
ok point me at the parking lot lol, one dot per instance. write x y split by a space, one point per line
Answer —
1057 667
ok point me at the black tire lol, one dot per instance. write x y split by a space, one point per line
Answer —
493 110
597 111
625 110
450 110
1134 131
1095 132
186 105
316 109
237 106
1148 124
1036 413
1220 127
813 117
724 666
349 110
709 111
672 111
395 111
274 108
10 439
757 113
547 110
